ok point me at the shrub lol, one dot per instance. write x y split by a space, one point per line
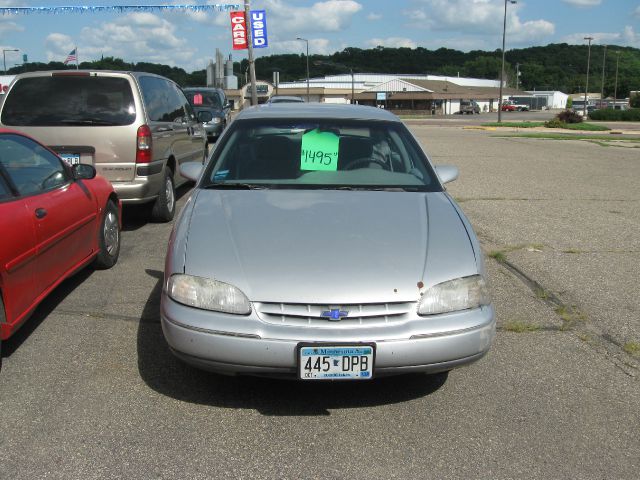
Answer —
632 115
569 116
555 123
635 101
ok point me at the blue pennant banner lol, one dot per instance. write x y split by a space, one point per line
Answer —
223 7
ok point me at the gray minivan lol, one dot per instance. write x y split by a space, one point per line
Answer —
135 128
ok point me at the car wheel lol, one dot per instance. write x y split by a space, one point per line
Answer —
108 238
165 205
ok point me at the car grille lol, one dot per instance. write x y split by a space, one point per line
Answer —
369 314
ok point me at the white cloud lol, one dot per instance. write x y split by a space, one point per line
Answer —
479 17
317 46
392 42
136 37
583 3
636 12
374 16
326 16
628 37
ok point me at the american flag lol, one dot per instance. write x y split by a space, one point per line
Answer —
72 57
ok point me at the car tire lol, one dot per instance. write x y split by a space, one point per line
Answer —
108 238
3 319
165 205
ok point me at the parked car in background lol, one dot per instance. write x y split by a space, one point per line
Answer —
285 99
320 243
508 107
134 128
54 218
212 109
469 107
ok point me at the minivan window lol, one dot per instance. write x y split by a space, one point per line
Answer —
69 101
162 101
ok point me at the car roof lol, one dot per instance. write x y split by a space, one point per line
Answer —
316 111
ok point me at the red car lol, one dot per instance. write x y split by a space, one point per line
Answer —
54 220
508 107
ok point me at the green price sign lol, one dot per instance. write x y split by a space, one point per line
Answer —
319 151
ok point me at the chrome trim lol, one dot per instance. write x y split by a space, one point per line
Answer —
215 332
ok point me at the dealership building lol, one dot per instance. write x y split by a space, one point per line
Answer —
400 93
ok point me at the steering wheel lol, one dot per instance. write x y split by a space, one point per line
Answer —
353 164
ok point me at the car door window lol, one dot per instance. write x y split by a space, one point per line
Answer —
31 168
5 192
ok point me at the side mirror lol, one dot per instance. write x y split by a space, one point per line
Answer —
191 170
82 171
447 173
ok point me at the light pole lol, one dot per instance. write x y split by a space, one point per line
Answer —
586 87
307 42
604 57
615 88
504 30
4 57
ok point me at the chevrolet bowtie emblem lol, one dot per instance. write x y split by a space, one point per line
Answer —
335 314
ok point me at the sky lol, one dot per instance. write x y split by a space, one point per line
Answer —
188 39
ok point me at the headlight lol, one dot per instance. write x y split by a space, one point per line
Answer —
216 120
458 294
208 294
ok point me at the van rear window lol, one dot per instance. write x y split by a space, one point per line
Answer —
69 101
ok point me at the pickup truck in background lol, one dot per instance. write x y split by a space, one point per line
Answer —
511 106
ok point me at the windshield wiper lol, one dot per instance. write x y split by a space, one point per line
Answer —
235 186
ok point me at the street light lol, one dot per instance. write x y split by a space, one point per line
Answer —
4 57
586 87
504 30
307 42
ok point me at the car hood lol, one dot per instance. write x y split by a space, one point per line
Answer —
324 246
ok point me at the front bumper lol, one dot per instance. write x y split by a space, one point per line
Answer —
258 348
213 130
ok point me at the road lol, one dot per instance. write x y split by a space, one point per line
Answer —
89 389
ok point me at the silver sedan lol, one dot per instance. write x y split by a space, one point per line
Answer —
320 244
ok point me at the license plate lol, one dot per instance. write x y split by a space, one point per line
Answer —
70 158
335 362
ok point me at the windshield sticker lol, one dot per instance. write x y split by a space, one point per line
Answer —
220 175
319 151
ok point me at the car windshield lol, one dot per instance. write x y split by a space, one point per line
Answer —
313 154
203 98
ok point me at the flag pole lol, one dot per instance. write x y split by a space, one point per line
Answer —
77 61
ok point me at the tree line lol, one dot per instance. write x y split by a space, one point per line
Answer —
552 67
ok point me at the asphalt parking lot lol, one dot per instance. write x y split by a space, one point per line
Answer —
88 388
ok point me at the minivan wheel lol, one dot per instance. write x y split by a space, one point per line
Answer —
165 205
108 238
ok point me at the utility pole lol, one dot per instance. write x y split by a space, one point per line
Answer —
615 88
586 87
517 75
252 65
504 30
604 57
